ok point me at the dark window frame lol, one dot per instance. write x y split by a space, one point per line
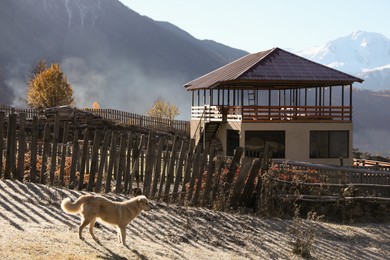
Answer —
280 154
331 138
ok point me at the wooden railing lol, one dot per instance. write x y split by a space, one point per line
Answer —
159 124
274 113
296 113
126 118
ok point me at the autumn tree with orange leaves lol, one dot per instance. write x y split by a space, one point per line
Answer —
48 87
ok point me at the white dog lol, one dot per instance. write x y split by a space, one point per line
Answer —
119 214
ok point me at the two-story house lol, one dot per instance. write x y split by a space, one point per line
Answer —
300 109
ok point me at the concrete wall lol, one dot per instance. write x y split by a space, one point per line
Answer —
297 137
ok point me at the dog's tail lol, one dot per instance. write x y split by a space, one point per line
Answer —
74 207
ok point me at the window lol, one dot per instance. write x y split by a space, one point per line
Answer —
255 142
329 144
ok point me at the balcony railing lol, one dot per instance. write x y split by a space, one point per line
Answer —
271 113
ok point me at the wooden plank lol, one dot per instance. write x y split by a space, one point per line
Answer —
111 162
45 151
10 154
187 169
246 197
166 159
201 171
84 154
21 146
136 153
171 168
179 170
157 167
209 178
215 192
75 156
149 165
121 163
2 121
233 166
53 162
63 152
240 182
94 160
195 170
128 162
103 160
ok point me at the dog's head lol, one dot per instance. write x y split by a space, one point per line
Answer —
144 202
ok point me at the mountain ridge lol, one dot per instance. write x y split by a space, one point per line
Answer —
113 55
363 54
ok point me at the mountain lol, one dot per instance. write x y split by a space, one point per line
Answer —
123 60
364 54
109 53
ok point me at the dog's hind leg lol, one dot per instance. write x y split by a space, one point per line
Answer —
91 225
83 224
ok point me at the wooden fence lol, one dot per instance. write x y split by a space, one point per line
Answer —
168 168
125 118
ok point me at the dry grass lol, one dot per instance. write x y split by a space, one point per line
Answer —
34 227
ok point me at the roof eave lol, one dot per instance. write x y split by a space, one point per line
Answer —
275 84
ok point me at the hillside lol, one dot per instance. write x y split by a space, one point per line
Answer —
110 53
124 61
34 227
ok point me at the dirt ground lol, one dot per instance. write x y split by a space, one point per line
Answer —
32 226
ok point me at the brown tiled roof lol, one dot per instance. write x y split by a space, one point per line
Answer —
274 68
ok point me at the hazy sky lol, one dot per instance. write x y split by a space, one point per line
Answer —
256 25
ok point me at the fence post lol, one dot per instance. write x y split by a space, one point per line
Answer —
2 116
195 169
128 162
54 149
187 167
46 147
10 153
21 146
157 167
84 155
63 152
111 163
94 160
149 166
103 160
171 168
199 175
33 150
179 170
75 155
209 178
121 166
136 154
166 159
246 196
240 182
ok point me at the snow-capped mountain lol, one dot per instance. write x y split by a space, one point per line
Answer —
364 54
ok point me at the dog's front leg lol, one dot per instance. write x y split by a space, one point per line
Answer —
123 235
119 234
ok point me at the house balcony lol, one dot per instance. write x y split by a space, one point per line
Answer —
285 114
